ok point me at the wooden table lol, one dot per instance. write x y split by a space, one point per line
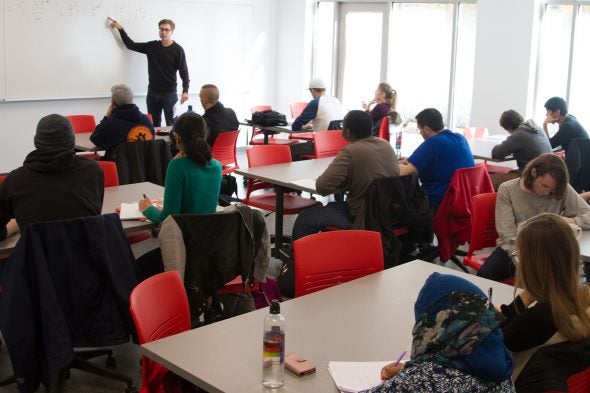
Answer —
113 196
369 319
298 175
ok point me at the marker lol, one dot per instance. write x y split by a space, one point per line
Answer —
145 196
490 292
399 359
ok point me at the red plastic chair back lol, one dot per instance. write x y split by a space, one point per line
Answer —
2 178
260 108
82 123
265 155
483 229
159 308
297 108
111 177
325 259
475 132
224 150
577 383
384 129
328 143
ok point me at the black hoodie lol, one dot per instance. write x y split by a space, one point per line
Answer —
51 185
126 124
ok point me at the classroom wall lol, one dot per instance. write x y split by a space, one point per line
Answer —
252 78
505 59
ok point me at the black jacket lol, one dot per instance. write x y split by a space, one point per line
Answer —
66 285
219 119
126 124
397 201
577 160
51 185
141 161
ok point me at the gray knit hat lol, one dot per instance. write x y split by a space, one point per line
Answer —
54 132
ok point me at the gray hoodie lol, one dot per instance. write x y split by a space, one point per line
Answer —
526 143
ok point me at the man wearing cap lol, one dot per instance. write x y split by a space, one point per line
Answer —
123 122
320 111
218 117
53 183
355 167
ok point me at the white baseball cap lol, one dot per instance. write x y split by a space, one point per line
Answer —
317 83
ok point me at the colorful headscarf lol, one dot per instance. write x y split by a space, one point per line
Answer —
455 327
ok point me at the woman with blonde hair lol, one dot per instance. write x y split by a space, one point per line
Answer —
555 304
383 102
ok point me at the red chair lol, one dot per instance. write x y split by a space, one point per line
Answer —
475 132
82 123
269 155
296 109
325 259
384 129
149 116
483 229
111 177
452 220
159 308
328 143
224 151
258 135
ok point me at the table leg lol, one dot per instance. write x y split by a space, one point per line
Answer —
280 193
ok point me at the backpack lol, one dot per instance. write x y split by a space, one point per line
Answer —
269 118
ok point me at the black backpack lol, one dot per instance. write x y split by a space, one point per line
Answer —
269 118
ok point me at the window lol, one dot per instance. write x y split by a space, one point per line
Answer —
424 50
564 59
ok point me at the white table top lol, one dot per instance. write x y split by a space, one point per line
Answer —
113 196
585 245
369 319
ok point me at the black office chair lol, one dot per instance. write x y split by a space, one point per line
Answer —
67 286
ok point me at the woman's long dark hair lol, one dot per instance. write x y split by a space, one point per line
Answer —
193 131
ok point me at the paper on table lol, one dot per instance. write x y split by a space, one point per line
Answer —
352 377
130 211
306 183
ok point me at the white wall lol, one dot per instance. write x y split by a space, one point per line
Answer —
257 72
505 53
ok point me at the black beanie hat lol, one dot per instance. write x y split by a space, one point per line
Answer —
359 123
54 132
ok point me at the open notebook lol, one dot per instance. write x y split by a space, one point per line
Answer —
353 377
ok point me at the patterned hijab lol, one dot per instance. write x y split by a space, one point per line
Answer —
456 328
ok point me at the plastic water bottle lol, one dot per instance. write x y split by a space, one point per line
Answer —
273 355
190 108
398 140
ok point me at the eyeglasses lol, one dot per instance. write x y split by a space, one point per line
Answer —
514 257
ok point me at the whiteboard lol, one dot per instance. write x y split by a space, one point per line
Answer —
59 49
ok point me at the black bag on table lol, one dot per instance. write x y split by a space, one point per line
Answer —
269 118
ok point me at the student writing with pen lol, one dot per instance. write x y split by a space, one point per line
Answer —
543 188
193 178
457 344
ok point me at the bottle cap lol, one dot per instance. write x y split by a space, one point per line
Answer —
275 307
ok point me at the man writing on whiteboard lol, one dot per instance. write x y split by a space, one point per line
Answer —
165 58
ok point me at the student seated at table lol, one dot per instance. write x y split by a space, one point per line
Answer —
383 102
437 158
193 177
320 111
123 122
365 159
555 304
457 343
53 183
543 188
569 127
525 142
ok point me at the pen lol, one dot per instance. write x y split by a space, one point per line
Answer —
490 292
399 359
145 196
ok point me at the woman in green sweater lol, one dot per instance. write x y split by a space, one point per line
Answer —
193 178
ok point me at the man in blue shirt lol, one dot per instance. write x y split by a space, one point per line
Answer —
437 158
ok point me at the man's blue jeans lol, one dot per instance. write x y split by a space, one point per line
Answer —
156 102
313 220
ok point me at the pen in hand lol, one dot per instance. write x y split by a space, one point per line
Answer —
145 196
399 359
490 293
391 370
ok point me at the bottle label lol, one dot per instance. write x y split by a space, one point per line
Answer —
274 345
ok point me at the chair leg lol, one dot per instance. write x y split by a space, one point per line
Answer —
457 262
85 365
